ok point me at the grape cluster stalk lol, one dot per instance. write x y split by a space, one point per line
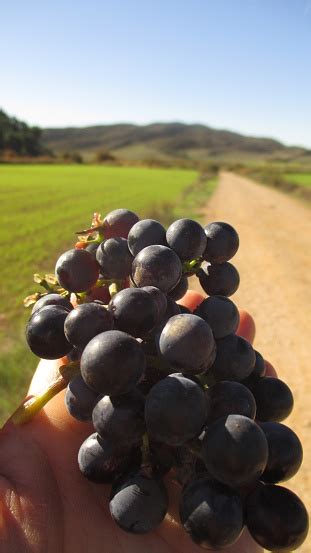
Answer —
168 390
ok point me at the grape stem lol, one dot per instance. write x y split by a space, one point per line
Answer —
114 288
32 405
146 464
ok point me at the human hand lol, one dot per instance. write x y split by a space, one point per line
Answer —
46 506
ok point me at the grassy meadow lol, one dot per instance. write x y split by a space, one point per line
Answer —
302 179
40 209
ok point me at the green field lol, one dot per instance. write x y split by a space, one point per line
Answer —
40 208
303 179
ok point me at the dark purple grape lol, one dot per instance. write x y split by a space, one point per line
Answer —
211 513
229 398
235 359
80 400
99 461
257 372
172 308
92 248
187 238
159 298
114 258
52 299
285 452
187 343
121 419
235 450
221 314
179 291
273 398
139 504
74 355
112 363
134 311
157 266
276 518
85 322
222 242
146 233
184 309
219 280
45 332
119 223
175 410
77 270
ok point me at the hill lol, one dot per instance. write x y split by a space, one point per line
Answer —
164 141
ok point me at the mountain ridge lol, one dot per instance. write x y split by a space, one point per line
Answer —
165 140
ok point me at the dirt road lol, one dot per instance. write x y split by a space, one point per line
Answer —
274 263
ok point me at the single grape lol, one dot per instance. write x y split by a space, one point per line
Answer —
229 398
219 280
235 359
52 299
159 298
157 266
222 242
99 461
139 504
187 238
187 343
45 332
121 419
172 308
235 450
114 258
85 322
92 248
119 223
211 513
273 398
285 452
221 314
77 270
257 372
146 233
80 400
276 518
112 363
133 311
179 291
175 410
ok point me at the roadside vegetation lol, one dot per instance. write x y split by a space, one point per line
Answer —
293 178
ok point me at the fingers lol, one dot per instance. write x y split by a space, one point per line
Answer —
191 299
270 370
246 328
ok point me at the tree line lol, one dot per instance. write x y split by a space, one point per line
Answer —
19 138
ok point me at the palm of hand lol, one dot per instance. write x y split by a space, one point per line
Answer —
46 506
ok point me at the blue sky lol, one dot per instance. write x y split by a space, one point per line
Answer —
243 65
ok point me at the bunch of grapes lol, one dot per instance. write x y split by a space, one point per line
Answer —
168 390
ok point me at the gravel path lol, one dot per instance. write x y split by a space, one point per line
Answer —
274 263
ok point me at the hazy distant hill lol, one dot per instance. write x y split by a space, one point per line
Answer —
166 141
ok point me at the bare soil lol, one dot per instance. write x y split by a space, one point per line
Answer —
274 263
